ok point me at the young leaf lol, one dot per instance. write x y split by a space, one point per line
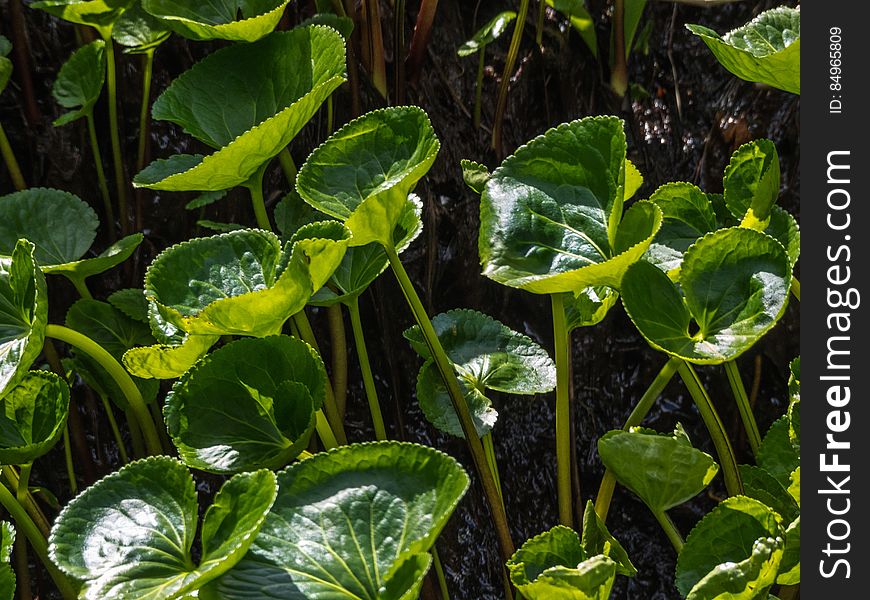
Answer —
236 20
130 534
139 31
7 574
34 415
434 400
551 215
777 455
243 282
99 14
751 183
580 20
364 173
475 175
736 549
734 286
80 81
23 313
247 101
333 529
664 470
598 540
555 565
168 361
487 34
248 405
766 50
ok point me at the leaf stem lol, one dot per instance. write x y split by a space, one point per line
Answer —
715 427
439 574
641 409
37 541
743 405
11 164
539 29
79 282
513 51
147 70
366 370
255 186
22 569
670 529
118 161
135 434
448 375
324 431
563 411
489 448
118 374
478 89
101 175
619 74
67 456
28 501
338 351
796 288
116 431
288 166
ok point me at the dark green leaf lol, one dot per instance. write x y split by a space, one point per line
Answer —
438 409
761 485
34 415
80 81
488 33
5 63
580 20
589 307
751 183
333 531
790 567
687 215
218 226
598 540
236 20
139 31
204 199
776 455
131 302
7 574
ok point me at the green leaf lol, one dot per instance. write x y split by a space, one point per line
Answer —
487 34
167 361
598 540
734 286
34 415
437 407
776 455
784 229
343 25
292 212
633 179
475 175
551 215
589 307
761 485
248 405
580 19
554 565
139 31
751 183
131 302
794 405
794 487
23 313
248 101
243 282
333 531
687 215
766 50
364 173
205 199
736 549
99 14
664 470
80 82
130 534
7 574
790 568
109 258
236 20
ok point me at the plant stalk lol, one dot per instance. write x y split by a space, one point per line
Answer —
448 375
619 75
288 166
743 405
399 53
68 459
493 465
366 370
338 348
101 176
513 51
439 574
655 389
22 569
255 186
147 70
324 431
478 90
420 38
796 288
28 502
135 434
118 374
117 157
561 339
670 530
11 163
116 431
539 29
714 425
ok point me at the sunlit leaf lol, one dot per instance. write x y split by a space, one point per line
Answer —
751 183
99 14
139 31
33 417
168 361
475 175
488 33
236 20
777 455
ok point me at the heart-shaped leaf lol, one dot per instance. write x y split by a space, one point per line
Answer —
139 31
248 101
356 521
777 455
7 574
364 173
734 283
99 14
248 405
751 183
598 540
554 565
551 217
236 20
243 282
79 82
5 63
736 549
23 313
664 470
130 534
34 415
766 50
487 34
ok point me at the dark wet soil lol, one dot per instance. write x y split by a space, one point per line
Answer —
687 116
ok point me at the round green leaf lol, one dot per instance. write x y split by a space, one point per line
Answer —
488 33
80 81
23 313
130 534
99 14
364 173
236 20
33 418
735 549
248 101
356 521
735 284
243 283
437 407
248 405
687 215
766 50
551 216
751 183
784 229
7 574
139 31
664 470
